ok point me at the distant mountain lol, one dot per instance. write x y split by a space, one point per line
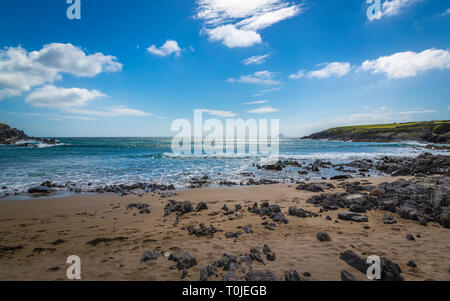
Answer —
426 131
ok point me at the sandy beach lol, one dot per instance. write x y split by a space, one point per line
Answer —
46 231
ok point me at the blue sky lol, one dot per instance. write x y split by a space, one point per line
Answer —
131 68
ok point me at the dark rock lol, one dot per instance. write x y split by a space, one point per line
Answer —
203 231
412 264
142 208
353 216
180 207
292 275
10 249
298 212
389 220
47 184
256 275
390 271
58 242
355 261
341 177
233 234
347 276
272 211
201 206
256 255
410 237
248 229
271 256
228 262
150 255
323 236
307 274
314 187
186 261
207 272
39 189
98 241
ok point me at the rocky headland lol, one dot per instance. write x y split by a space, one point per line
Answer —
12 136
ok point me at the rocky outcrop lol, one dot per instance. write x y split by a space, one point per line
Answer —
10 136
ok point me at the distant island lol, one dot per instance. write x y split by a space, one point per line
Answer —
425 131
13 136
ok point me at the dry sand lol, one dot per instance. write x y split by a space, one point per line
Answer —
79 219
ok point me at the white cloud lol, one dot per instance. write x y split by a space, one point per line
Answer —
60 98
233 37
20 70
395 7
417 112
255 60
269 18
266 91
169 47
299 74
224 114
258 78
258 102
446 12
336 69
409 64
236 23
263 110
72 100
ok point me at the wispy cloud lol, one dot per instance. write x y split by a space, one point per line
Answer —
395 7
237 23
218 113
391 8
266 91
446 12
258 78
336 69
263 110
170 47
255 60
409 63
258 102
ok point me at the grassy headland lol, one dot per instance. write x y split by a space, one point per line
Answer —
425 131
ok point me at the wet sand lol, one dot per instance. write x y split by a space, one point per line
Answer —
37 225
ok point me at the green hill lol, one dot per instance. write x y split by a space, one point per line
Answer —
425 131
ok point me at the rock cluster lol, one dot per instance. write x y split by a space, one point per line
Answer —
315 187
272 211
142 208
298 212
390 271
180 208
203 231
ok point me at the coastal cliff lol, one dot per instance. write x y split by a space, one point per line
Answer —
428 131
10 136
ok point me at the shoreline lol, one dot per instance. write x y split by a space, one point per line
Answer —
45 231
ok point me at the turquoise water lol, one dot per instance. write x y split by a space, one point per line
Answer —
91 162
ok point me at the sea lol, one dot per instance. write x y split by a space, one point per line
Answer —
87 163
